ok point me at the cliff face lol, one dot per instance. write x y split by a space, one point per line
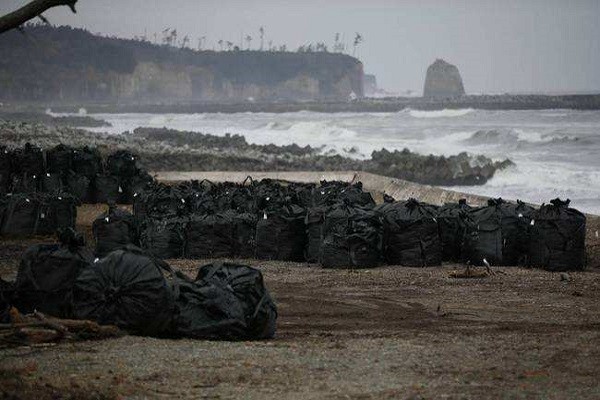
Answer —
443 80
65 64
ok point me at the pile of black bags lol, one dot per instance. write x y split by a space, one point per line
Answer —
140 293
79 171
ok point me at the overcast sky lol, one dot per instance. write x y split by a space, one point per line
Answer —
498 45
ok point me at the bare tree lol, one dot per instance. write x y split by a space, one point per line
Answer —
357 40
220 42
248 40
31 10
229 45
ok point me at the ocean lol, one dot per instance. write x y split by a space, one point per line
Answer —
556 152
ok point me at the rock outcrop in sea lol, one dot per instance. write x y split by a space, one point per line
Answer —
443 80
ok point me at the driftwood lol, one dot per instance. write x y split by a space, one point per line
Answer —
31 10
36 328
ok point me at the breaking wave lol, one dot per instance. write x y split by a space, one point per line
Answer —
445 113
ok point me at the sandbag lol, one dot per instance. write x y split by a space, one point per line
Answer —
59 159
56 211
112 230
164 238
50 183
21 216
281 234
351 238
133 185
247 283
453 220
557 237
410 234
244 234
28 160
122 163
499 234
315 218
333 192
47 273
87 162
79 186
24 183
210 236
161 202
107 189
126 288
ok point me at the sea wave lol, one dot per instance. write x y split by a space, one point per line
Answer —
445 113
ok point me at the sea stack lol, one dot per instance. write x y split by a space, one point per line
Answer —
443 80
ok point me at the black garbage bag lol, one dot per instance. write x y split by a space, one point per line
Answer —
50 182
210 236
557 237
79 186
281 234
47 274
107 189
87 162
113 229
59 159
499 234
122 163
28 160
453 220
410 234
126 288
259 309
22 215
164 238
56 211
315 219
351 237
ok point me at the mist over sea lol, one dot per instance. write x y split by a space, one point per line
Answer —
557 152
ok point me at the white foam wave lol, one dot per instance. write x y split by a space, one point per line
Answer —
445 113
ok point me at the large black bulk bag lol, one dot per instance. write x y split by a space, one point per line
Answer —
79 186
499 234
113 230
244 234
162 201
59 159
126 288
47 274
6 299
453 220
410 234
164 238
28 160
315 218
21 216
50 182
330 193
248 286
5 169
87 162
24 183
210 236
351 238
122 163
207 310
56 211
281 234
107 189
134 185
557 237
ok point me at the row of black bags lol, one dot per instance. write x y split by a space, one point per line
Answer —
140 293
37 213
81 172
338 225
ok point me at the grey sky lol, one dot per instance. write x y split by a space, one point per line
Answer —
498 45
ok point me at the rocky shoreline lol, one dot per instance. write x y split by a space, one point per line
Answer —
162 149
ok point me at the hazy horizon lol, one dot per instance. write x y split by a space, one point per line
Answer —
516 47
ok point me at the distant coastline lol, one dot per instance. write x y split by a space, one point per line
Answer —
389 104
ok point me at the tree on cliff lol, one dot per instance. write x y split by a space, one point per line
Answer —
248 40
261 31
357 40
31 10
